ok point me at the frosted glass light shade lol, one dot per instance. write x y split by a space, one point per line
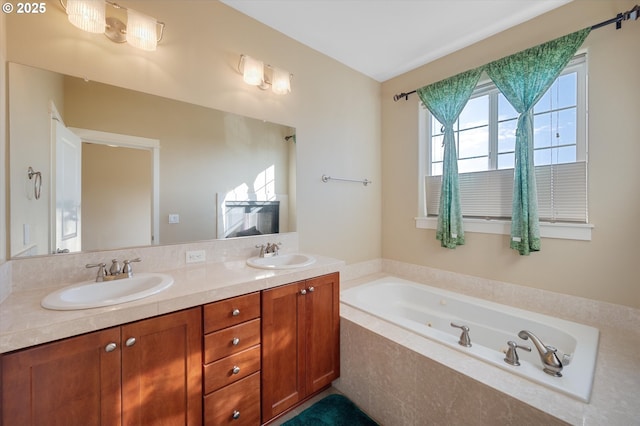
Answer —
88 15
281 81
141 30
253 71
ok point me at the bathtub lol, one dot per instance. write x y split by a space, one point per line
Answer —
429 312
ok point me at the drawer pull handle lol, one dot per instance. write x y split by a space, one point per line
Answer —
235 312
236 414
235 369
311 289
130 341
110 347
303 291
235 341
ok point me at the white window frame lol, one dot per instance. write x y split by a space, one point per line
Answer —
562 230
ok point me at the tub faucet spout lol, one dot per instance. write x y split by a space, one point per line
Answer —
550 362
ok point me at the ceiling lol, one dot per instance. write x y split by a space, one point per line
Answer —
386 38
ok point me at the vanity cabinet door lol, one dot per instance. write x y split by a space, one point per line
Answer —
161 370
283 355
69 382
322 325
301 342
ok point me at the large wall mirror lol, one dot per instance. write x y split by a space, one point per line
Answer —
98 167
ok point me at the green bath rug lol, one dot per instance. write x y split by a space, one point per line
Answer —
334 410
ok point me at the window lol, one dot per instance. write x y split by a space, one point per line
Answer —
485 143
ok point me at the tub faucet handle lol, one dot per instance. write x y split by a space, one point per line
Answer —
465 340
512 355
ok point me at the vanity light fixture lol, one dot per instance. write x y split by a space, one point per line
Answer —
141 31
256 73
88 15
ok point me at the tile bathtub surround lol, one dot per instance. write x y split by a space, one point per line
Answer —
59 270
400 387
380 390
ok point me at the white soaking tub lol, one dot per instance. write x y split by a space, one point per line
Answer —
429 312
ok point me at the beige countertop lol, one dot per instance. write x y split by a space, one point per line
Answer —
24 323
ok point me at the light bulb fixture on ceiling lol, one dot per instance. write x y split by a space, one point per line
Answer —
264 76
141 31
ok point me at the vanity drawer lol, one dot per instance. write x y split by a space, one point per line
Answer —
231 340
241 398
221 372
225 313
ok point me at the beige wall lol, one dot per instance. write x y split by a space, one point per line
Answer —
3 138
116 197
603 269
335 110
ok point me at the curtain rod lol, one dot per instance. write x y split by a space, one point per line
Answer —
632 14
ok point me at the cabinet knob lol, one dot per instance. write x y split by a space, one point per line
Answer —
303 291
235 312
130 341
110 347
235 341
236 414
236 369
311 289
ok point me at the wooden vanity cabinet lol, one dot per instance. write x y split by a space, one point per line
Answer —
143 373
300 342
231 364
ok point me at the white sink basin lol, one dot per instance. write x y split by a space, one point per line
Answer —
90 294
282 261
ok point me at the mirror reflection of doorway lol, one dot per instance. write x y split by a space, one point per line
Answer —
116 196
67 225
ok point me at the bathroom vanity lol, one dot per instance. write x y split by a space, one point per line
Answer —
137 373
205 362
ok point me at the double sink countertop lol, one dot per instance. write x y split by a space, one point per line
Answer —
24 322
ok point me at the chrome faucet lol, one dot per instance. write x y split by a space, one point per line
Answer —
550 361
115 267
114 272
271 249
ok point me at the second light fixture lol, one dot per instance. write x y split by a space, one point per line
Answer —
256 73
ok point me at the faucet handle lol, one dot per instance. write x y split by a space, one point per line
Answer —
102 270
465 340
512 355
126 269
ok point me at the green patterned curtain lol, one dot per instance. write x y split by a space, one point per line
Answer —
523 78
446 100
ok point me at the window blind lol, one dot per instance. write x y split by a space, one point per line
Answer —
562 193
